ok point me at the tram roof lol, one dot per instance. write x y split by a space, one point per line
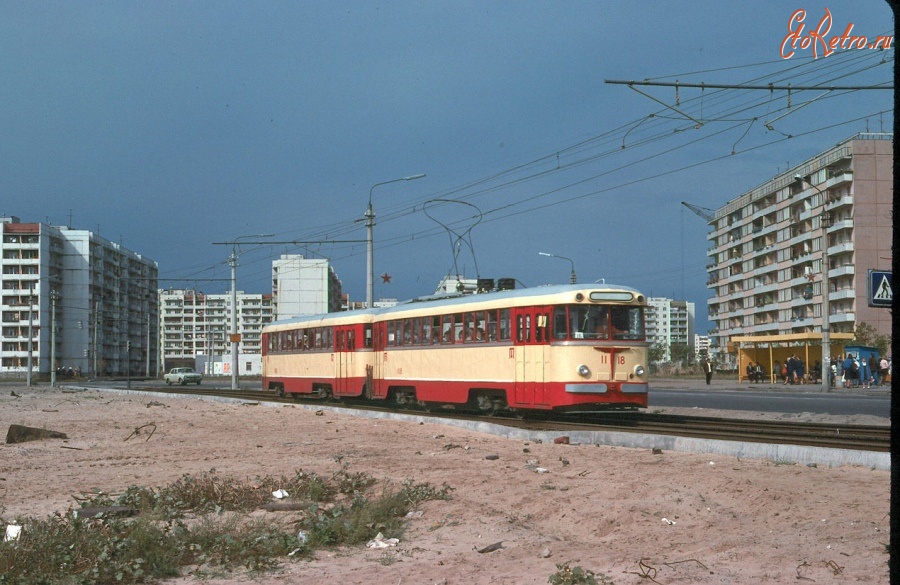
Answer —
428 303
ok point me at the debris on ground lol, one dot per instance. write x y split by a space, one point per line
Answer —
381 542
23 434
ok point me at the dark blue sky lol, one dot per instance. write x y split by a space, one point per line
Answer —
172 125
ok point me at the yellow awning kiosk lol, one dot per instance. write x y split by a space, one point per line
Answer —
772 351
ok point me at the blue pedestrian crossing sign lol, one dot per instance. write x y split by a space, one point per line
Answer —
881 293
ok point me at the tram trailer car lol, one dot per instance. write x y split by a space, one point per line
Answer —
551 348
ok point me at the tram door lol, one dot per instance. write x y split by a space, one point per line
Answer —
345 344
531 336
379 388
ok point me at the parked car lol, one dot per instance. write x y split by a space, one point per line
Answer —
183 376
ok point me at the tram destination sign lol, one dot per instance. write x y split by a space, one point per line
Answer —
881 292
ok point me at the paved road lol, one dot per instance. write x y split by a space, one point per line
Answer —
728 394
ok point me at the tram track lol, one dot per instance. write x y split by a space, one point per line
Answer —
835 436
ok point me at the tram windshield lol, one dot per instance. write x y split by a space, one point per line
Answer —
598 322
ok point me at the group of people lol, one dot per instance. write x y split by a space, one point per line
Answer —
756 372
853 371
863 372
793 371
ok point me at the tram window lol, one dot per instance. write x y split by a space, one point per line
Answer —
426 330
467 334
560 325
458 328
448 330
479 324
491 329
505 325
540 327
351 340
368 335
436 330
416 330
318 338
589 322
329 337
391 338
627 323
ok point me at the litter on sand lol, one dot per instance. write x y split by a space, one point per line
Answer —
381 542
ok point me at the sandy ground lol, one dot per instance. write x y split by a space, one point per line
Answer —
628 514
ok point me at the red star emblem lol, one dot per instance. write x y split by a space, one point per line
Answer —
386 278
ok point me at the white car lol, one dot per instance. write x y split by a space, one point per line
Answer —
183 376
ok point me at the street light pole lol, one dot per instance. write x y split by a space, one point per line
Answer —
54 297
370 223
825 220
30 334
235 336
572 275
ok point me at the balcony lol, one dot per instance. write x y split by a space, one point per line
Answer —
841 248
802 322
840 202
841 224
846 293
845 270
843 318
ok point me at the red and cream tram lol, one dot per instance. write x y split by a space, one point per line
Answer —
566 348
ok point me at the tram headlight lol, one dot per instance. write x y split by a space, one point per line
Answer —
583 370
638 370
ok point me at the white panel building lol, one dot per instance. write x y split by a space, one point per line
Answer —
196 327
669 321
304 286
106 305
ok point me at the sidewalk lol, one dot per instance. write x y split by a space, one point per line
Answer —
730 384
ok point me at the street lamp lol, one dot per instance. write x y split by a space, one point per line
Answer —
30 335
370 223
825 220
572 277
54 298
235 336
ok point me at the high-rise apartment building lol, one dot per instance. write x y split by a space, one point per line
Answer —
304 286
196 324
668 321
104 295
768 252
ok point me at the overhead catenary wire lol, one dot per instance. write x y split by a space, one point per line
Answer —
720 105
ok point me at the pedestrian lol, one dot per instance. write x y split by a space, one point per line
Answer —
864 372
848 370
707 369
882 371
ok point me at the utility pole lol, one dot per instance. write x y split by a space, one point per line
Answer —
825 220
370 245
232 261
30 334
54 297
96 337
